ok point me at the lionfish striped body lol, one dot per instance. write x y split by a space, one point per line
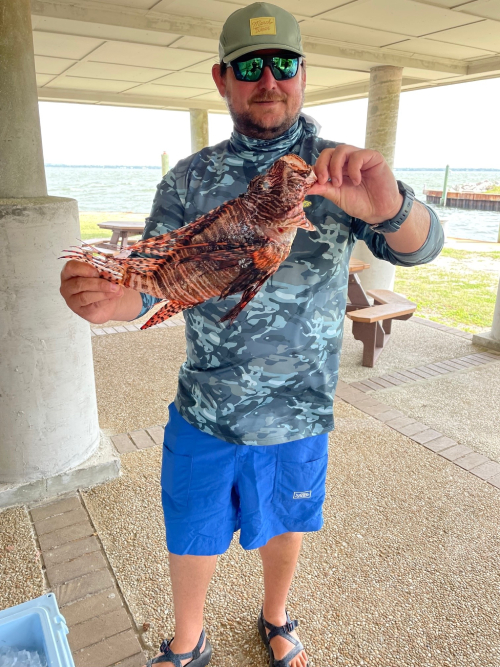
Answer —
234 248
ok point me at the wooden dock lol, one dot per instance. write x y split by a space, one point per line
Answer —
479 201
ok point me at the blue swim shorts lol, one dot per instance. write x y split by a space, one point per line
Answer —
212 488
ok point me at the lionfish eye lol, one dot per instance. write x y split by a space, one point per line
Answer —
265 185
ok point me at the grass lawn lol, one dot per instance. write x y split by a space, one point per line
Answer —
90 230
458 289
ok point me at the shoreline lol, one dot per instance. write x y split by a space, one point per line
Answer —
471 244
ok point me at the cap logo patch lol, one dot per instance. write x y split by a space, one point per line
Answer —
266 25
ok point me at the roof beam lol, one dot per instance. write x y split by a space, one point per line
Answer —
350 91
485 65
118 99
126 17
118 16
338 94
383 57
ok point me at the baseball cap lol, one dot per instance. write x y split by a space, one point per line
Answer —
259 26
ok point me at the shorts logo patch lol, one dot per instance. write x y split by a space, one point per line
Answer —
301 494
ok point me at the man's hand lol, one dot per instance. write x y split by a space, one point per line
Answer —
359 181
95 299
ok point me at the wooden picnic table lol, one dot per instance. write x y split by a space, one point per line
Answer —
371 324
121 231
357 295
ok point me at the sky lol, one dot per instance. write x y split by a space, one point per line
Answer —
456 125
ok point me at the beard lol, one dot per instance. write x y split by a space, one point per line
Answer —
247 124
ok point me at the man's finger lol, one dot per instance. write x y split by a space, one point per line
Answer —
81 284
94 311
355 165
336 167
87 298
322 164
74 268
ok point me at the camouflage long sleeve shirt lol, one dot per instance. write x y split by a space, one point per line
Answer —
270 377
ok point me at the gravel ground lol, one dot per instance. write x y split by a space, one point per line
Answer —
136 377
411 344
464 407
404 573
21 576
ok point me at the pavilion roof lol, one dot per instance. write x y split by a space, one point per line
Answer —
159 53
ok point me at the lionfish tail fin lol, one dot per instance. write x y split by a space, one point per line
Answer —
109 268
134 272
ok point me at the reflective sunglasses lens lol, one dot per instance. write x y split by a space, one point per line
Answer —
284 68
248 70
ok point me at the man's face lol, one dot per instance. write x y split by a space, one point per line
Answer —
262 109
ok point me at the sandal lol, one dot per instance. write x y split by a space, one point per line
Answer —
282 631
199 659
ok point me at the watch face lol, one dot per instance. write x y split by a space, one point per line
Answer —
405 188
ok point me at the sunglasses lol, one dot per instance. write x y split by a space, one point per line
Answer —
251 68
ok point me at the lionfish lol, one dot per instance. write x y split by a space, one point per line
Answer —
234 248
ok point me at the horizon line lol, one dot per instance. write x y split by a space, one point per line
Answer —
146 166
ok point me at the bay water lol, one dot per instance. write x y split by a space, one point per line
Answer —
131 189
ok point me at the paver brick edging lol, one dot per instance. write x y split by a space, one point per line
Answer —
442 327
428 372
125 328
102 629
462 456
140 439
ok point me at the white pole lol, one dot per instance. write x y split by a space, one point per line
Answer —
491 338
199 129
381 127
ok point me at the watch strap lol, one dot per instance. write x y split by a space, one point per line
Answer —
394 224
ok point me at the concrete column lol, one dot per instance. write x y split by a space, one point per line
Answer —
491 338
49 434
199 129
164 163
22 173
381 127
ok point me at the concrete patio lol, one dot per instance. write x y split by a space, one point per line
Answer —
404 572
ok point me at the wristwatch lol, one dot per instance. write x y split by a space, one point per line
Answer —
392 225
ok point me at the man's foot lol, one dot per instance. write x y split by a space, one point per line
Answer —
181 648
281 646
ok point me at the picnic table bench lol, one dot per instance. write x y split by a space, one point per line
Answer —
372 324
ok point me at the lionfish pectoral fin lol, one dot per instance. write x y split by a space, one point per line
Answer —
169 309
261 261
249 283
246 297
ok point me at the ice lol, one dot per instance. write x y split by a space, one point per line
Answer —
13 657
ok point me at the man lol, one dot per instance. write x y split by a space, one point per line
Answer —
246 442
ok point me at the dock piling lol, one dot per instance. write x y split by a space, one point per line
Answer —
445 186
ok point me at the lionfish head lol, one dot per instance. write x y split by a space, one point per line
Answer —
284 185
